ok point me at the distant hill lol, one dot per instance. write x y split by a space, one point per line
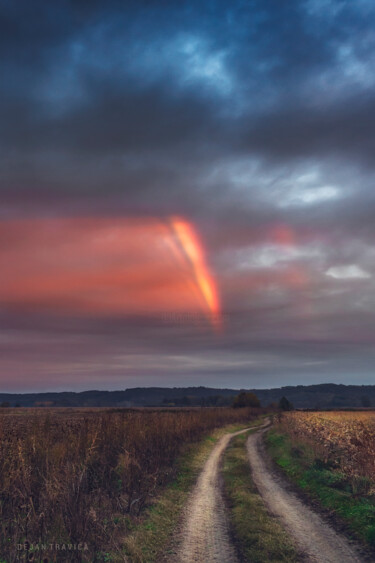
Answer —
136 397
327 395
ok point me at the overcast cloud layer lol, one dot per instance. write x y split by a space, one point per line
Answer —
253 120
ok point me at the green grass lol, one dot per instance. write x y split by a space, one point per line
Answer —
348 499
259 535
151 535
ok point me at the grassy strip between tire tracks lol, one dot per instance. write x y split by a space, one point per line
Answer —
258 535
152 534
329 488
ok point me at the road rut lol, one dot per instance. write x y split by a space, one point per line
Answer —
318 542
205 531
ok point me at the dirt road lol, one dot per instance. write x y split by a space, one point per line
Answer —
204 534
315 538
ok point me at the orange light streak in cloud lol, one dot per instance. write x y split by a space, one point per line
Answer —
194 252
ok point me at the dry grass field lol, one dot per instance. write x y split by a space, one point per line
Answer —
346 440
83 475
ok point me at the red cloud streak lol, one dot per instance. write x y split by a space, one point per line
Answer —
104 266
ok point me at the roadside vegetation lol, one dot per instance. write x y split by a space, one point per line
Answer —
259 536
86 477
331 457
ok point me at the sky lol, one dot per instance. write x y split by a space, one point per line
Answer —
186 193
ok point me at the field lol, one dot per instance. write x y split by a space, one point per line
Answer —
82 477
345 440
331 456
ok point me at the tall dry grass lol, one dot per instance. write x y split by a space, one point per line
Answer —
344 440
83 477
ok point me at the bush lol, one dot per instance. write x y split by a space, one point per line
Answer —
285 405
246 400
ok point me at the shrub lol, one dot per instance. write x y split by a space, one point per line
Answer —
246 400
285 405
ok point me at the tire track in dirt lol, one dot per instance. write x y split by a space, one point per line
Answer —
204 537
318 542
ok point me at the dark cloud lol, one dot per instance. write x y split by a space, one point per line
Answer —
252 119
341 130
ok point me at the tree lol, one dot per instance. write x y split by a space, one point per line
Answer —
285 405
5 404
246 400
